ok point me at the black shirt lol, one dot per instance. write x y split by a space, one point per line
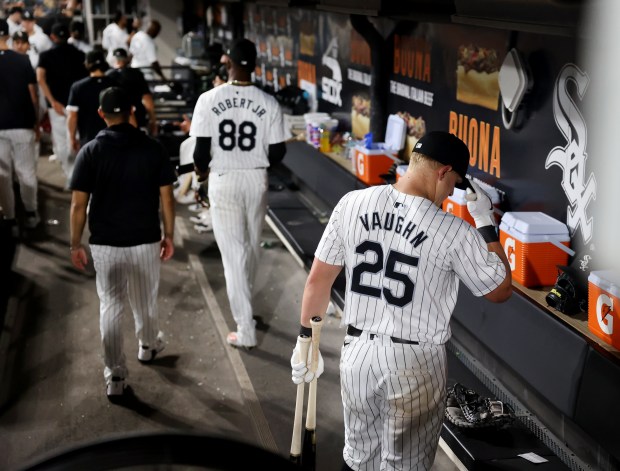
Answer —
63 64
134 82
123 170
16 107
84 98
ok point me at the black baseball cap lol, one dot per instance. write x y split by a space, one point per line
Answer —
114 100
4 28
60 30
95 59
447 149
243 52
120 53
27 16
20 36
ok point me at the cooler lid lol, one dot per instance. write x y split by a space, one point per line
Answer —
534 223
395 132
607 280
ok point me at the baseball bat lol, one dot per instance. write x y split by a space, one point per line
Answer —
304 345
308 455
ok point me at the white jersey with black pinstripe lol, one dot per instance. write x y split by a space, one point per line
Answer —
404 258
242 121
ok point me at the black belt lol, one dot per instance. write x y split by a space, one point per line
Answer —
355 332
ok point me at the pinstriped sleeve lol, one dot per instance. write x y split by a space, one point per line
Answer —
481 270
331 246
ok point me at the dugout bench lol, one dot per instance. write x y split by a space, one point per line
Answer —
556 376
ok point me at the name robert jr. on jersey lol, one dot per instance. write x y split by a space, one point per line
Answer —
243 103
391 222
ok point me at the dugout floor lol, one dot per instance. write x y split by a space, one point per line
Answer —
51 386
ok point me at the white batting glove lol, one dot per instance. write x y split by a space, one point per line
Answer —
480 206
301 366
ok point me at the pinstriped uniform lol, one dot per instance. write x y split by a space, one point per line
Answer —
17 153
242 121
123 272
404 259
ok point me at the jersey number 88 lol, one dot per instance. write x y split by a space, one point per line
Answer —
245 140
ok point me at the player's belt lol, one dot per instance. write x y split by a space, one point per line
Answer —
355 332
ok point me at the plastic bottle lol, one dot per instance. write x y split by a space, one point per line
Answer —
324 141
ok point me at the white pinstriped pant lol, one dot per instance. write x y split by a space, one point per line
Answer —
126 272
394 400
61 142
17 152
238 204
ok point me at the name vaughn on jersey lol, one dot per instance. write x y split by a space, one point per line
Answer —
391 222
243 103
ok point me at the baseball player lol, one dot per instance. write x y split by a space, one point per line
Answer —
239 133
57 69
404 259
18 132
83 121
127 174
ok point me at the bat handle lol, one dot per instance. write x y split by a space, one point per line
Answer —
316 323
304 345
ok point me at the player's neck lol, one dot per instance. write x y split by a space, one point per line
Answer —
414 185
240 83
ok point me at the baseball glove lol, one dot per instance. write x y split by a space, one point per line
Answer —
565 295
465 408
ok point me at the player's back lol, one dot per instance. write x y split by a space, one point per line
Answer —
400 253
240 120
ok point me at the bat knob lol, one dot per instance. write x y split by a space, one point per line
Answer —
317 319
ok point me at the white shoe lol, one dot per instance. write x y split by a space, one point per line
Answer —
244 337
147 354
115 387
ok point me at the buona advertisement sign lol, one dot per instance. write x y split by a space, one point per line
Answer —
446 77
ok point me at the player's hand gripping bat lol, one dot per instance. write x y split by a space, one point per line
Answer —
308 455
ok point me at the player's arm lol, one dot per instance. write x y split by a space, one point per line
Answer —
167 210
481 209
34 97
276 153
317 291
504 290
42 81
202 157
149 106
72 120
79 203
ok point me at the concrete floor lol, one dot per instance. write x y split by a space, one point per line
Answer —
51 385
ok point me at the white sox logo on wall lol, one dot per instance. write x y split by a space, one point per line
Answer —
604 314
332 86
572 157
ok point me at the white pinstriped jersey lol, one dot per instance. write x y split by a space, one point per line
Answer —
242 121
404 258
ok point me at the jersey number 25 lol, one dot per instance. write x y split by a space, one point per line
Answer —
389 272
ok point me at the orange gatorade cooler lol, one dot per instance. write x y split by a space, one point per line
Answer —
534 244
604 306
370 164
457 204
